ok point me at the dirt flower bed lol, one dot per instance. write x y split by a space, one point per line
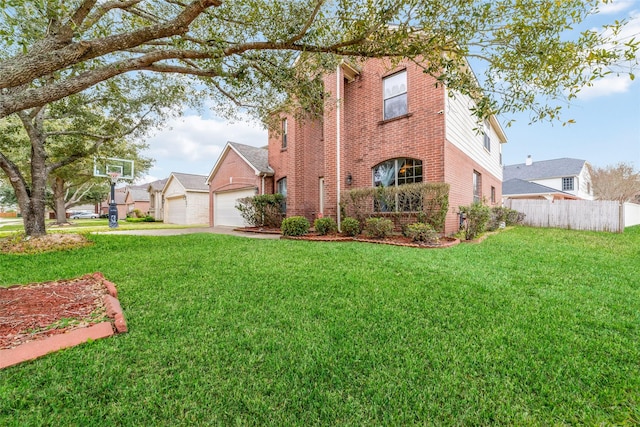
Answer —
36 311
395 240
21 244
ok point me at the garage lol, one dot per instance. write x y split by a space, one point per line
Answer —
225 212
175 211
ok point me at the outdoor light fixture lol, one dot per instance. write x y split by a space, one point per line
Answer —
349 179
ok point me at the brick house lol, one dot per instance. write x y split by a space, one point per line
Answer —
381 126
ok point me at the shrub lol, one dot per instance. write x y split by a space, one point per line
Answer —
149 218
502 214
325 226
421 232
265 210
350 226
378 228
295 226
476 217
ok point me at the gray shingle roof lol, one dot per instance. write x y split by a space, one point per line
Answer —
191 181
516 186
139 194
157 185
258 157
543 169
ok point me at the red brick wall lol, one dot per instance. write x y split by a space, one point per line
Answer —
459 174
233 174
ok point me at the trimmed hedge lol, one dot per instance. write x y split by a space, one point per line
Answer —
378 228
295 226
325 226
350 226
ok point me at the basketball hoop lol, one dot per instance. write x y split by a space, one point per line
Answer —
114 177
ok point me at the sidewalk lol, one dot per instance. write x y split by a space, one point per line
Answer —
177 231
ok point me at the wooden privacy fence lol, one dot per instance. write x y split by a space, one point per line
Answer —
594 215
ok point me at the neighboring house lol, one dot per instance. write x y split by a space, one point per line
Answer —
120 194
555 179
156 202
137 198
186 199
240 171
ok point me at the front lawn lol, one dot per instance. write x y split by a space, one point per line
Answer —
530 327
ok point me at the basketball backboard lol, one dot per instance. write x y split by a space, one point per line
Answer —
103 166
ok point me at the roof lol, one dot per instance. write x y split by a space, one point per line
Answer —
544 169
256 157
516 186
191 182
138 194
157 185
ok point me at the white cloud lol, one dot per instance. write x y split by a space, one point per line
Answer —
192 144
615 6
606 86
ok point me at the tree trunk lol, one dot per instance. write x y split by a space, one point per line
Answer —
59 201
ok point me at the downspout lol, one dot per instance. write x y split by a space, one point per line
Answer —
338 102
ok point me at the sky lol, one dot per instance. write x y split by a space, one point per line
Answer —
606 129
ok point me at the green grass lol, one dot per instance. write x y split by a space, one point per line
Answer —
531 327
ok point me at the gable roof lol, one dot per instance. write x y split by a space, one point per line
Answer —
138 194
191 182
554 168
256 157
517 186
157 185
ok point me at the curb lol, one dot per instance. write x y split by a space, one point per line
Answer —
35 349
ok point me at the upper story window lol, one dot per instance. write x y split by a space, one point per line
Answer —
477 187
487 138
284 133
395 95
567 183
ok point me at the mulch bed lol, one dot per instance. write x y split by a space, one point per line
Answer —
39 310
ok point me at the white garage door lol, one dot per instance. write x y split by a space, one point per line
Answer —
225 207
175 211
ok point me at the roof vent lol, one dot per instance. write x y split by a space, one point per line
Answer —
529 161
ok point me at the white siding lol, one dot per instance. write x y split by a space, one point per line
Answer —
464 131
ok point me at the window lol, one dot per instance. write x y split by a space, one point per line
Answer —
395 95
493 195
567 184
477 187
395 172
284 134
281 188
487 138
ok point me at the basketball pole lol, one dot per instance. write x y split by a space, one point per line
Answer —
113 208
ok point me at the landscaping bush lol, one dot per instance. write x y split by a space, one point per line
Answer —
295 226
476 216
350 226
421 202
502 214
325 226
149 218
378 228
264 210
421 232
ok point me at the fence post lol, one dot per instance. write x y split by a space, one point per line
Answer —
621 218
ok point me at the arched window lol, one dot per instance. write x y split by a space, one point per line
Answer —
393 173
396 172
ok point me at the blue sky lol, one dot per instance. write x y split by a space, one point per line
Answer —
606 129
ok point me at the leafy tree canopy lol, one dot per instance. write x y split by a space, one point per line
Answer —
243 51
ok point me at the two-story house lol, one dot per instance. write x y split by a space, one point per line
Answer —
556 179
382 125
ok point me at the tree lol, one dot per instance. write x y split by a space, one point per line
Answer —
242 52
616 182
59 140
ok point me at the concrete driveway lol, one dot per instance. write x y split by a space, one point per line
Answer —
176 231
